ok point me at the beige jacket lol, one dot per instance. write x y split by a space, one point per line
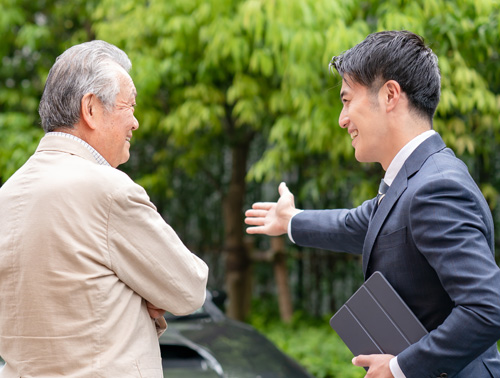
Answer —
82 249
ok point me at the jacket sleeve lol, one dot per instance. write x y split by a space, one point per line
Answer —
148 256
452 227
339 230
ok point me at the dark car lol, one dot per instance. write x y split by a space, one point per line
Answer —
208 344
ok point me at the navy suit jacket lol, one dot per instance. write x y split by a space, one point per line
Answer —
432 238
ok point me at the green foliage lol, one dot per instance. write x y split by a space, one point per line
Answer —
33 34
310 341
204 68
214 75
215 72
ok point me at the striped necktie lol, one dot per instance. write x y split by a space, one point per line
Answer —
382 189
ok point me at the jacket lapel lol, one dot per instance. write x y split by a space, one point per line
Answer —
380 214
411 166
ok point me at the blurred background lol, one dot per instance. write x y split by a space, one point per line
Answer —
235 96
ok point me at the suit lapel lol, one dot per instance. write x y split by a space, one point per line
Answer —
380 214
411 166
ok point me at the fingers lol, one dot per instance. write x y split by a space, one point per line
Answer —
378 364
154 312
256 213
263 205
256 217
283 189
256 230
151 306
361 360
264 218
255 221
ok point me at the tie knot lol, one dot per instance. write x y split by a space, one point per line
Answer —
382 187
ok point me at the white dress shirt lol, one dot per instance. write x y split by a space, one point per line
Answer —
98 157
403 154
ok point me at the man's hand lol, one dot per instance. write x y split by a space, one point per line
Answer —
377 364
154 312
272 218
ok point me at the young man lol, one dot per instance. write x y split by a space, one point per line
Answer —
430 233
87 265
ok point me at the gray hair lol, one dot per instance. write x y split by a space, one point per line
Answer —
90 67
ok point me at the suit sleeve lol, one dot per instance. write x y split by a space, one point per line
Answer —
451 226
148 256
338 230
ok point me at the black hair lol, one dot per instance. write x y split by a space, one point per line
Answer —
395 55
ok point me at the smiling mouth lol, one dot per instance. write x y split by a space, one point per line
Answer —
354 134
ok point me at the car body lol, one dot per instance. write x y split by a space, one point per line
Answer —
209 344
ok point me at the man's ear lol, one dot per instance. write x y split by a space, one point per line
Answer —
391 92
89 109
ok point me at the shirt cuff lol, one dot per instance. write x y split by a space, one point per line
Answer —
290 228
395 369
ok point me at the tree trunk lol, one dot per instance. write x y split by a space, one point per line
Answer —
238 262
281 277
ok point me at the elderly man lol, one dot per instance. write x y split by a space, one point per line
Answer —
87 265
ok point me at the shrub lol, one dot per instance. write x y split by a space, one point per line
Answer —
311 342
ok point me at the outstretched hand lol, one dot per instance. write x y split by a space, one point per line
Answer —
272 218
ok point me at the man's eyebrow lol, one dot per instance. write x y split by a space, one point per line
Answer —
342 94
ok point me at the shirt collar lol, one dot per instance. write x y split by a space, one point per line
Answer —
98 157
403 154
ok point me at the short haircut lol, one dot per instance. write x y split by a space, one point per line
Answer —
90 67
395 55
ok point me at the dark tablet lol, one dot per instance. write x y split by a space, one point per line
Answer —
375 320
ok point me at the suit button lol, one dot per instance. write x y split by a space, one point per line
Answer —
443 375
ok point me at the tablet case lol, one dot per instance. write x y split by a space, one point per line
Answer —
375 320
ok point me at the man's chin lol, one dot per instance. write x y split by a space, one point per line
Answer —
359 156
363 159
125 158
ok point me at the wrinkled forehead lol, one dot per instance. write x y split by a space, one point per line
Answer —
128 91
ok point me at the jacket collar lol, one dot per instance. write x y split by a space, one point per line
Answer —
73 146
411 166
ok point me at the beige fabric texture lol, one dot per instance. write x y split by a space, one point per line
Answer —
82 249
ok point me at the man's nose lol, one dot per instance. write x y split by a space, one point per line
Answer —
136 124
343 120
